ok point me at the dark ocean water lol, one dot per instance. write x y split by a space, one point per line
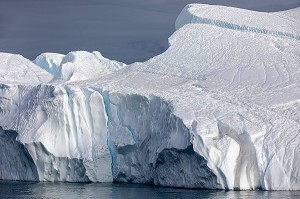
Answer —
110 191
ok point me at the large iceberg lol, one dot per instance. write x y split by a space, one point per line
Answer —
219 109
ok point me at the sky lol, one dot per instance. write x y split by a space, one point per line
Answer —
124 30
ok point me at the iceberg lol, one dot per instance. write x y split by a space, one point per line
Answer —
219 109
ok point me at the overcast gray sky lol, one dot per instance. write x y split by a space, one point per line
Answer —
124 30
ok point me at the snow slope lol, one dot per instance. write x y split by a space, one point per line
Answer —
77 65
218 109
17 69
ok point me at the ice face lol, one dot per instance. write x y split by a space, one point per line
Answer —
51 168
88 134
15 163
218 109
49 62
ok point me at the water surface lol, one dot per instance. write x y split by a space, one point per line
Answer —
111 191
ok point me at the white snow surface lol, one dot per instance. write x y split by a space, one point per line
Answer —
15 69
77 65
218 109
82 65
285 25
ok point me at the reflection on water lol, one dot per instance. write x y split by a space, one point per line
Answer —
111 191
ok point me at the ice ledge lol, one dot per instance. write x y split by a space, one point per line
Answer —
241 20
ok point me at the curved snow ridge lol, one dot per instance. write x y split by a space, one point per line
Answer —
241 20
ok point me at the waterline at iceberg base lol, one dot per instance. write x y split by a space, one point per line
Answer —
218 110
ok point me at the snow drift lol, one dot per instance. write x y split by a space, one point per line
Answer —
218 109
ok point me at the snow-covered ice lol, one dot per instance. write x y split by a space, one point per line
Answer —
77 65
17 69
49 62
218 109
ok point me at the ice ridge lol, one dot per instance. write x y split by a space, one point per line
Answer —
197 13
239 27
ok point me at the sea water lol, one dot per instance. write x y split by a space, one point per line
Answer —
133 191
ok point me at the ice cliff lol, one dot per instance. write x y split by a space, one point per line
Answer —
219 109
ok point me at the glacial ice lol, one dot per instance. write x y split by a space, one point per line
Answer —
240 20
15 163
77 65
15 69
219 109
49 62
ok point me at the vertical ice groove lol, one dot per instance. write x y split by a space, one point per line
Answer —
111 147
87 95
128 127
247 158
202 150
73 121
118 115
